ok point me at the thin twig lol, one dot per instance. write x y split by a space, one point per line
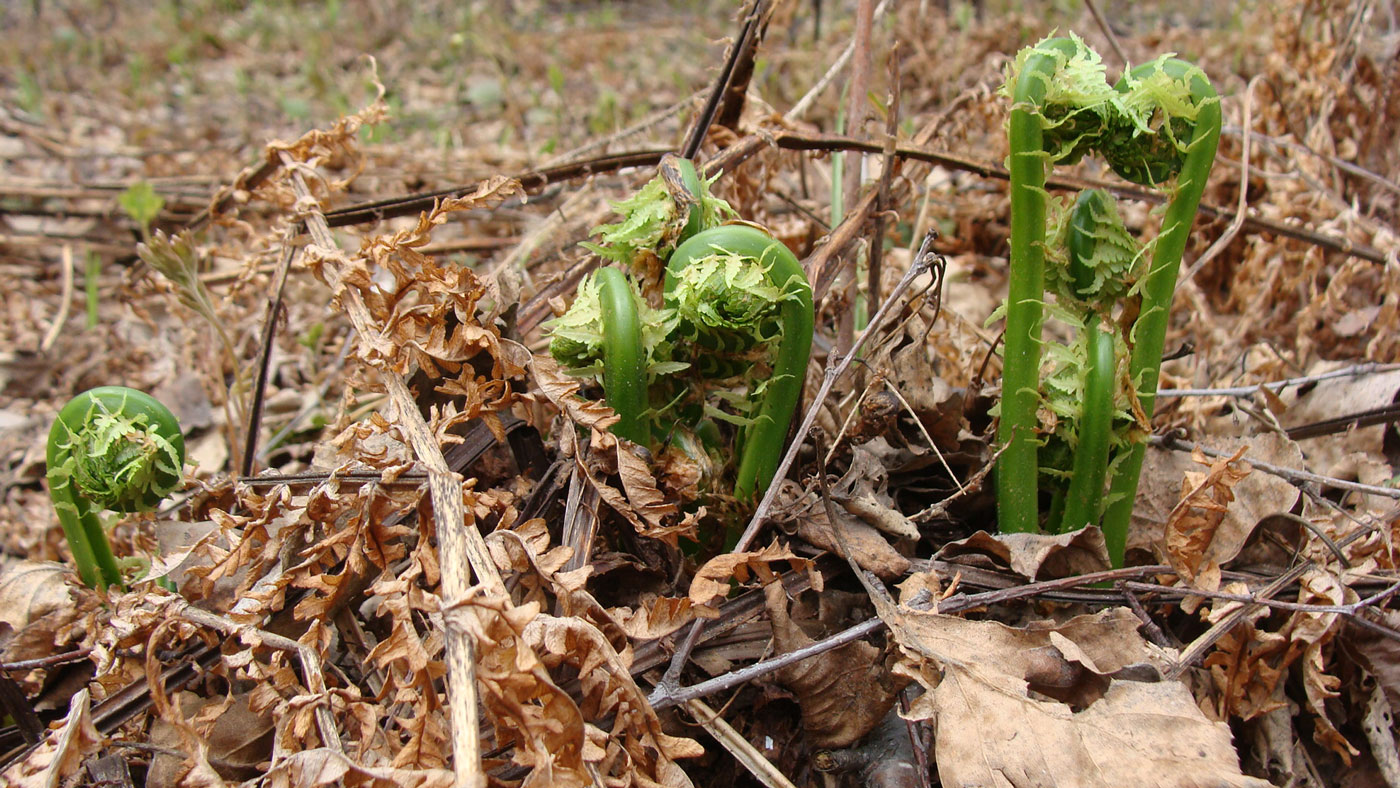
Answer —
49 661
269 334
65 302
837 66
1241 204
1295 477
1107 32
1279 385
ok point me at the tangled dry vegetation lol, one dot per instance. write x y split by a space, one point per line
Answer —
431 562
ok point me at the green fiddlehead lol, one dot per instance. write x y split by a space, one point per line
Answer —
110 448
1182 85
735 287
1160 122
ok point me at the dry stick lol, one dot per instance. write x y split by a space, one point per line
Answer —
669 685
269 333
889 167
1107 32
737 744
1369 368
948 606
731 105
65 302
1349 610
805 103
853 166
696 136
310 661
1242 204
49 661
1294 477
532 181
461 549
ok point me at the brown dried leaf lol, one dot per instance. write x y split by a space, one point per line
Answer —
61 753
844 693
871 551
1257 496
659 617
323 766
711 582
562 391
1107 731
1033 556
30 591
1192 524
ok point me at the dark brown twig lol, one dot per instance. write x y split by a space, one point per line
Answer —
746 42
269 333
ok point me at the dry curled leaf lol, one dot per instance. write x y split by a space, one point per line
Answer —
804 513
1192 524
844 693
711 582
1032 556
1078 700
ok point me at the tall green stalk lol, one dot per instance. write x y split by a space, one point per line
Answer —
1159 125
1150 331
1018 469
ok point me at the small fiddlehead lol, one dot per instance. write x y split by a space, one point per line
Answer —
110 448
735 287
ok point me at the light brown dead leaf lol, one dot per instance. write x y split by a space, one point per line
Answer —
1056 702
711 581
870 550
1191 526
659 616
323 766
1032 556
61 753
1257 496
844 693
30 591
862 491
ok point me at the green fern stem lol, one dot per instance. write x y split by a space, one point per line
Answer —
110 448
1085 496
1017 468
762 443
624 357
1150 330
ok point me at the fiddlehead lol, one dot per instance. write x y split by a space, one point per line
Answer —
736 287
110 448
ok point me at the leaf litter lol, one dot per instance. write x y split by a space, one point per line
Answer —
370 608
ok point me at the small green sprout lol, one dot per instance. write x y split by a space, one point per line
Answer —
142 204
110 448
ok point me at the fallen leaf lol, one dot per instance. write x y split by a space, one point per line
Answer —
843 693
1032 556
1257 496
1193 522
711 581
807 518
61 753
30 591
996 726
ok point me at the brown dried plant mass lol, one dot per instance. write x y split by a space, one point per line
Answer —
98 96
